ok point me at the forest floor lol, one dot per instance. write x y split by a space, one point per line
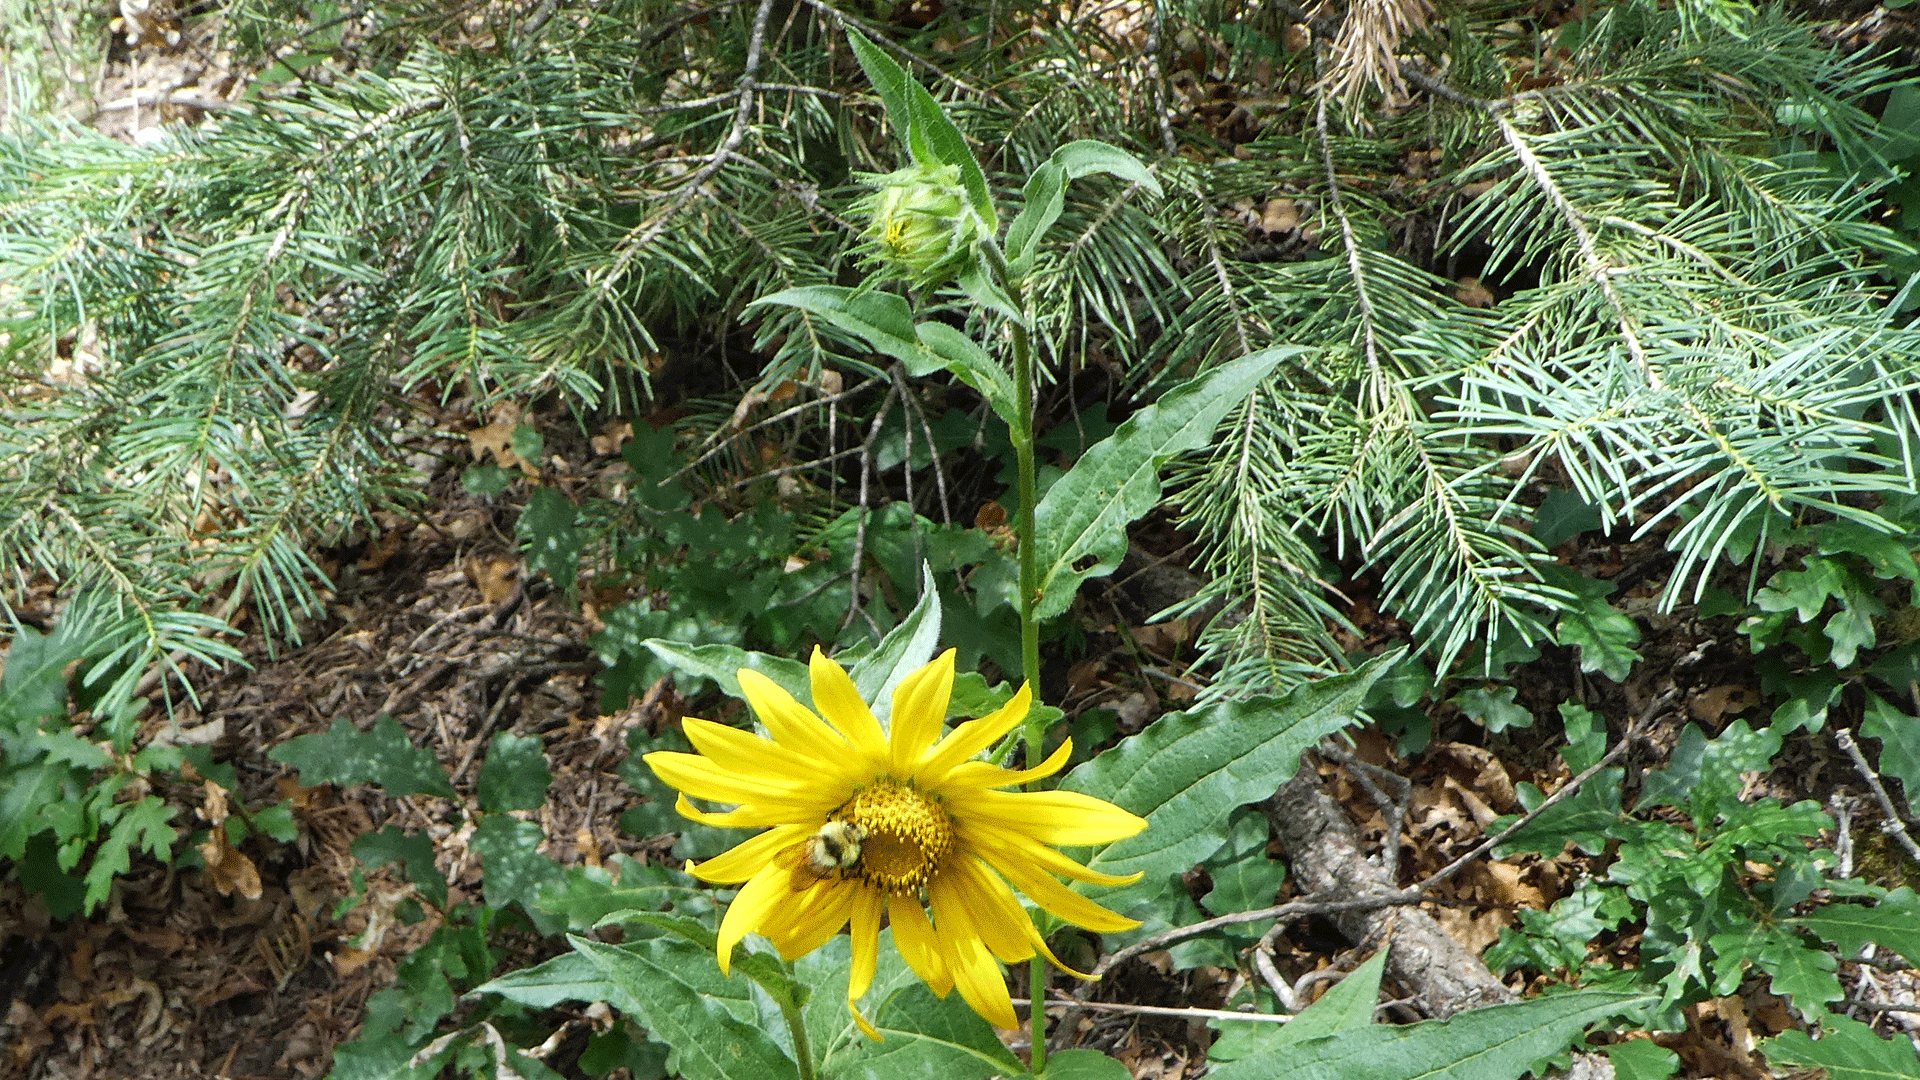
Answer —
179 975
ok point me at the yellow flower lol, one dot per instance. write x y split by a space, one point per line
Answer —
904 825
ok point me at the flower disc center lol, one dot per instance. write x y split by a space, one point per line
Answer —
909 836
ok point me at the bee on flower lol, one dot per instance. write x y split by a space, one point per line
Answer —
864 823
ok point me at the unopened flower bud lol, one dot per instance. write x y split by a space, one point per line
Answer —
923 225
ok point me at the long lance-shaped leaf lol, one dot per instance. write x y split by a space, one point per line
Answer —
1046 192
1186 772
885 323
1084 515
709 1043
1500 1042
923 125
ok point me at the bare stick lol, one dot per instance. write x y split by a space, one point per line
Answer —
1893 826
1413 894
1161 1010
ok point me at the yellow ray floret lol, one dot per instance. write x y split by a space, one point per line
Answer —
902 824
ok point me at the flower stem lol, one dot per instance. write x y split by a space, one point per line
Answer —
1037 1016
802 1051
1022 438
1035 733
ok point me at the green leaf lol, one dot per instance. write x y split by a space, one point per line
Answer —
1045 194
709 1042
567 977
414 853
1806 976
1705 776
1044 197
1605 638
141 824
722 664
1083 157
345 756
1187 771
1082 518
509 851
922 124
28 789
956 352
1244 878
1586 736
881 319
1849 1050
885 322
1085 1065
515 775
1804 592
1641 1059
1563 515
1346 1007
1887 555
1500 1042
1893 925
1495 709
1801 974
904 650
924 1035
34 683
592 896
553 541
1586 820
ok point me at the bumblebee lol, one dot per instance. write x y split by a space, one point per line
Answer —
830 852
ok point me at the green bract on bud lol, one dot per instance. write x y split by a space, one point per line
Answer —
922 224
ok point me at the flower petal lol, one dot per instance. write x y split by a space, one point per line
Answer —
985 775
868 905
749 754
756 900
1062 901
973 736
969 901
981 981
706 779
995 846
919 945
811 917
920 711
839 703
752 816
791 724
748 857
1060 818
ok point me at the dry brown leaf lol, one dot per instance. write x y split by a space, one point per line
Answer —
1474 294
1503 886
232 872
1709 706
495 439
381 550
214 812
495 578
612 438
1477 770
1163 639
1280 215
1476 930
